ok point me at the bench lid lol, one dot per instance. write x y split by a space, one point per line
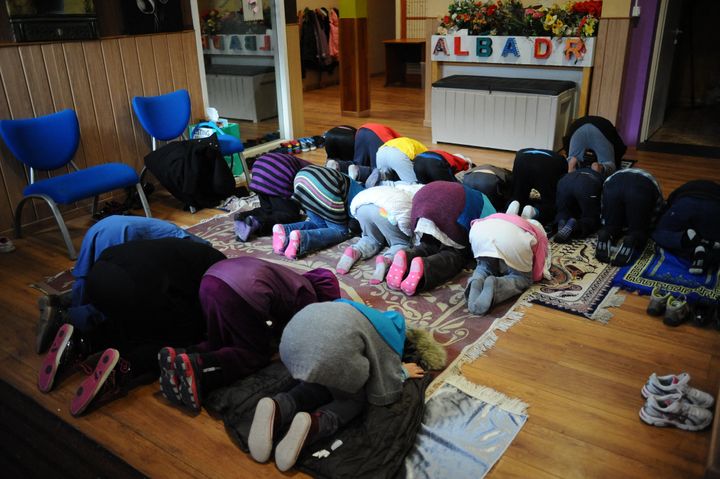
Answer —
514 85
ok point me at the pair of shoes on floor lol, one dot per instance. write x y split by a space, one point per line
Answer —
307 143
287 245
671 401
265 429
675 310
180 375
6 245
108 374
396 278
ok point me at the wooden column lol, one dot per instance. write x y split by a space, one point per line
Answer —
354 73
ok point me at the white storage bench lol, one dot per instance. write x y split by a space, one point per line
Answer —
502 113
242 92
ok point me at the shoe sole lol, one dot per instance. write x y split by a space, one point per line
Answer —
169 383
261 431
288 450
659 422
187 383
50 364
89 387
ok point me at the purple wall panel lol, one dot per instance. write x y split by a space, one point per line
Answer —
635 77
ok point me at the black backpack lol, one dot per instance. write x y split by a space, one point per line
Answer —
193 171
340 143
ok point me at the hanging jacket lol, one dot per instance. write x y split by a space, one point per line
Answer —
193 171
334 40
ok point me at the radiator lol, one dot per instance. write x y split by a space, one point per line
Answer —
243 97
501 120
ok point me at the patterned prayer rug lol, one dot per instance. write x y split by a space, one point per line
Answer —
581 284
656 267
442 312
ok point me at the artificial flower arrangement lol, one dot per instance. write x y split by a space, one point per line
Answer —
511 17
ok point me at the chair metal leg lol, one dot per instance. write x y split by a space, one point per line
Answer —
143 172
94 205
58 218
143 200
246 170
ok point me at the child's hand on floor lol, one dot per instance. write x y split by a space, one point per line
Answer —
413 370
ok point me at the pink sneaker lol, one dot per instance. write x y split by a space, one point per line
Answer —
279 241
51 363
91 385
291 251
417 269
397 270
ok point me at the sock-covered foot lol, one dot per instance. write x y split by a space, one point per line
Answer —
374 178
484 301
347 260
529 212
698 261
397 270
513 208
332 164
382 263
245 228
565 233
279 240
417 270
353 171
291 252
602 250
624 255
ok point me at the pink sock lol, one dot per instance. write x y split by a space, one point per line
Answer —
417 269
291 251
397 270
382 263
278 239
347 260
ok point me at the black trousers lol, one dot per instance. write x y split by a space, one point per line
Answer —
442 263
429 169
540 170
273 210
578 196
628 202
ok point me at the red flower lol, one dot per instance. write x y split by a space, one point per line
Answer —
491 9
446 20
588 8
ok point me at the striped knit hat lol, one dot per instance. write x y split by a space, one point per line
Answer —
323 191
273 174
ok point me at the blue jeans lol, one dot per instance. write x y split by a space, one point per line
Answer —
317 233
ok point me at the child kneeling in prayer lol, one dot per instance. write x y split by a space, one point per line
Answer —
346 355
511 252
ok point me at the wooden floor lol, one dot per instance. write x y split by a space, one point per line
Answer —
582 379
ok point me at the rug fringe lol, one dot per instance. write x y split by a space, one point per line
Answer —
614 299
489 395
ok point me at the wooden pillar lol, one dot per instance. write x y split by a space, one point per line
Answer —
354 72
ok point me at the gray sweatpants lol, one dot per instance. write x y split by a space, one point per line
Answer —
377 232
390 158
507 283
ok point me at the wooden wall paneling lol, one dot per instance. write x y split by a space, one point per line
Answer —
193 75
148 74
102 104
162 63
177 61
80 87
19 105
38 87
134 86
598 66
609 64
12 174
120 106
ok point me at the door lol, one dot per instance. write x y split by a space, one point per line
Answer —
661 69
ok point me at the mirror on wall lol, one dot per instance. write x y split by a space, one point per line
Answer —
239 45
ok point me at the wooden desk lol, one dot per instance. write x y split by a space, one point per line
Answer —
398 53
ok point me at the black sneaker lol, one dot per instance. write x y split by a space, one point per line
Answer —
624 255
702 314
52 316
602 250
109 381
189 373
677 311
169 377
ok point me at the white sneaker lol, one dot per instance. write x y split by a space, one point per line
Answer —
676 384
513 208
673 410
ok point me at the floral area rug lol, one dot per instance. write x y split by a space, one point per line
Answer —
581 284
658 268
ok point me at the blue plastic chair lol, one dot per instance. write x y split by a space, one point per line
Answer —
50 142
166 117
